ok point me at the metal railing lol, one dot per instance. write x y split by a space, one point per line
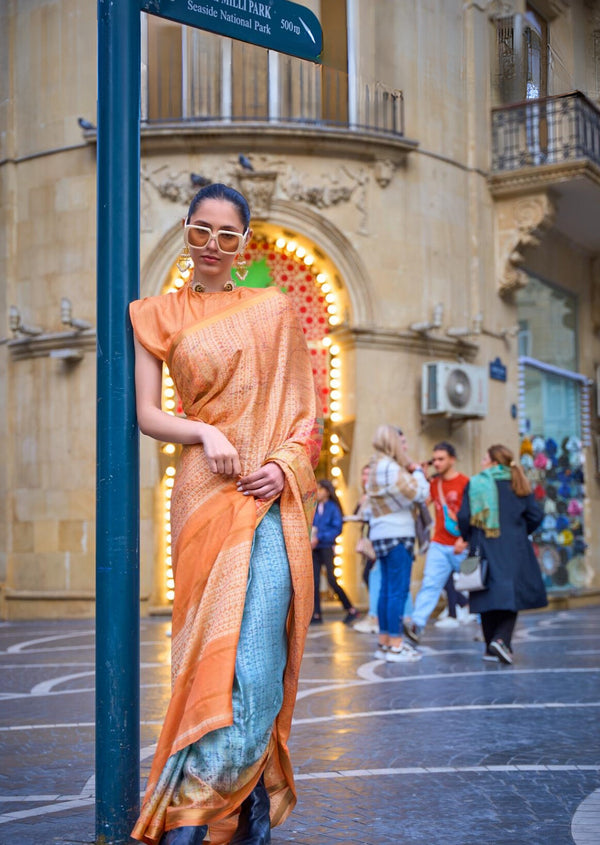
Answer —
220 82
550 130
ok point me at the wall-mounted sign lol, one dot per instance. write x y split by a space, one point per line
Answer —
276 24
497 370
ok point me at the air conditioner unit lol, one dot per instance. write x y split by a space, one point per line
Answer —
457 390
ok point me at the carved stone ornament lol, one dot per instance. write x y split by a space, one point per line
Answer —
331 189
339 186
384 170
258 187
503 8
176 187
521 224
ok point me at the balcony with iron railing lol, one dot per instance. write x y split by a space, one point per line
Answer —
549 149
545 141
227 90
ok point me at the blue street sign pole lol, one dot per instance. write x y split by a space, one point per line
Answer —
117 484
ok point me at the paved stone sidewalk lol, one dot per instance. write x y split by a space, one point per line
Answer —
446 751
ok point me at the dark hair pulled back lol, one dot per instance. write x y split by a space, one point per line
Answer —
504 457
326 484
218 191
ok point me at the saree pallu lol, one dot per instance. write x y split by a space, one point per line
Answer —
239 362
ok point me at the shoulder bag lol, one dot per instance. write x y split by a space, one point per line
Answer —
450 524
365 547
472 576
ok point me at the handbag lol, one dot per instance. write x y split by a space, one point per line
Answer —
423 523
450 523
365 547
472 576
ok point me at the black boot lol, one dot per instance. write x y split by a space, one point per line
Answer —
254 826
189 835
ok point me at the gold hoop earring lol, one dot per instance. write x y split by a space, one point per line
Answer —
185 261
241 268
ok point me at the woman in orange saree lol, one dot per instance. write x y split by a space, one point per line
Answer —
241 512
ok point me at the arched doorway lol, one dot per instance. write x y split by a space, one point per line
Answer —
277 257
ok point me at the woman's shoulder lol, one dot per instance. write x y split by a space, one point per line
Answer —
162 303
383 461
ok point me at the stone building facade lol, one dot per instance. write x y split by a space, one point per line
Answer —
430 194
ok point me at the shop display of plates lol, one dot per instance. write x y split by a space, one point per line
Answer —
549 559
580 572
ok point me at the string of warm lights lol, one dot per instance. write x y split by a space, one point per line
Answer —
335 448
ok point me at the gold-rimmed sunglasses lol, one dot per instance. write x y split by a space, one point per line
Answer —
227 241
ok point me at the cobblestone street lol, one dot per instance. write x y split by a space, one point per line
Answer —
451 750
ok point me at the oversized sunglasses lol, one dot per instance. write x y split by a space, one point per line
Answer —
227 241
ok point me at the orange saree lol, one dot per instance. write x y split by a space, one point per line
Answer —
240 362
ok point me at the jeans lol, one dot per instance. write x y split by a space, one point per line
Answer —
375 589
439 564
395 583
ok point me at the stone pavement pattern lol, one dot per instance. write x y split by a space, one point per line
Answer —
446 751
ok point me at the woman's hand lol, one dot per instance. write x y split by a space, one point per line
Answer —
222 457
266 483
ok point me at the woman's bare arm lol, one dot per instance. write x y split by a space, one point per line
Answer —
221 455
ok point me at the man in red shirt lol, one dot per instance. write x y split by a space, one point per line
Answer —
447 549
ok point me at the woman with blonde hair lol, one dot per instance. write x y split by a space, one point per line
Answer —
497 515
395 483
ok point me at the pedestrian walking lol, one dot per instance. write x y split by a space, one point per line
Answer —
456 612
447 549
242 507
371 570
497 515
395 484
327 526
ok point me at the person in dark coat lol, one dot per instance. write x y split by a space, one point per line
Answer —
497 515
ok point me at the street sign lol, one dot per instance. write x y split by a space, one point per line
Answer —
497 370
275 24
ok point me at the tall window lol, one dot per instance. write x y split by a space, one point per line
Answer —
522 57
191 73
536 56
548 323
164 69
250 81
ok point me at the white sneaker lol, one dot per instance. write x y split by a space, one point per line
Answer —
404 654
448 622
464 616
368 625
382 651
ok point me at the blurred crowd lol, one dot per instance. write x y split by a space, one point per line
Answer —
475 534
